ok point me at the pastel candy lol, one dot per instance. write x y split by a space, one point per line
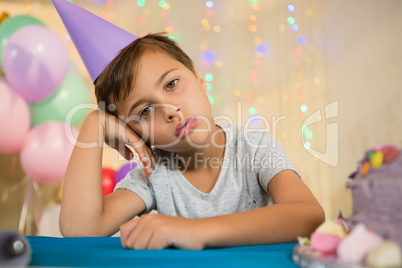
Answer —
331 227
325 243
365 169
390 152
387 254
377 159
357 244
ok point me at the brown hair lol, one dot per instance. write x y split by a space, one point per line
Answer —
118 78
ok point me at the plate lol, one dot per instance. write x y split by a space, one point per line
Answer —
305 256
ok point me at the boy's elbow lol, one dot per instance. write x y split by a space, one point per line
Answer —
76 232
317 217
65 230
71 229
320 214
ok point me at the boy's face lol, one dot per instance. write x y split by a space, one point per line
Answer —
168 106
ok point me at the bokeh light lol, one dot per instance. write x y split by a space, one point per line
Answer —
308 135
252 28
142 20
163 14
217 29
251 110
211 99
255 6
110 3
300 95
209 56
291 20
252 17
262 48
301 39
209 77
298 52
210 13
307 145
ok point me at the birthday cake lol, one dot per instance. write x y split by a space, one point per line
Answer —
372 235
376 188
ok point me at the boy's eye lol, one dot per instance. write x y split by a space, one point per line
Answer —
171 84
146 111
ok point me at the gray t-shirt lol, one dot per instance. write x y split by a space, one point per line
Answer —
251 160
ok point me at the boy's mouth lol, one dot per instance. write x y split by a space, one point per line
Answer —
184 128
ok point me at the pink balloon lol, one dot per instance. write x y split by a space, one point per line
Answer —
46 151
15 119
35 62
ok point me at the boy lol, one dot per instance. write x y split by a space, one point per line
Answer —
212 185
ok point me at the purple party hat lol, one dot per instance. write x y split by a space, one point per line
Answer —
98 41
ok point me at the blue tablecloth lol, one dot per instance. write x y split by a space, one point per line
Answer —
108 252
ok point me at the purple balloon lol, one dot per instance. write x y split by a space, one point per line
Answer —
124 170
35 62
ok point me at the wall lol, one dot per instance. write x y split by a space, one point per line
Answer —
350 62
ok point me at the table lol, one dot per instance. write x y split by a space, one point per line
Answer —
108 252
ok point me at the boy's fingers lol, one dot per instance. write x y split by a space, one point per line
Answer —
126 153
126 229
152 157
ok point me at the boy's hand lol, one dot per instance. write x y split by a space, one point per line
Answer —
118 135
155 231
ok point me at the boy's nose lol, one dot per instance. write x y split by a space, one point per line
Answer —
172 112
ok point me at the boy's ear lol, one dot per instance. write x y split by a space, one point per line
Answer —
202 80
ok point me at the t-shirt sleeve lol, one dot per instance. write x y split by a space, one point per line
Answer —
137 183
270 159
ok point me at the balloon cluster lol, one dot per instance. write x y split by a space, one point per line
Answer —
37 93
111 177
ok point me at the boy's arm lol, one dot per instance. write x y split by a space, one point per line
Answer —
295 213
84 210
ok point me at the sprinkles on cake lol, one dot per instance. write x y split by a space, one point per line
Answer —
375 158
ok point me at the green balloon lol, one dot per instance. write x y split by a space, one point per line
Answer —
12 24
64 104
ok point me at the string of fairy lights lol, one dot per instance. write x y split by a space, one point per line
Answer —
297 62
